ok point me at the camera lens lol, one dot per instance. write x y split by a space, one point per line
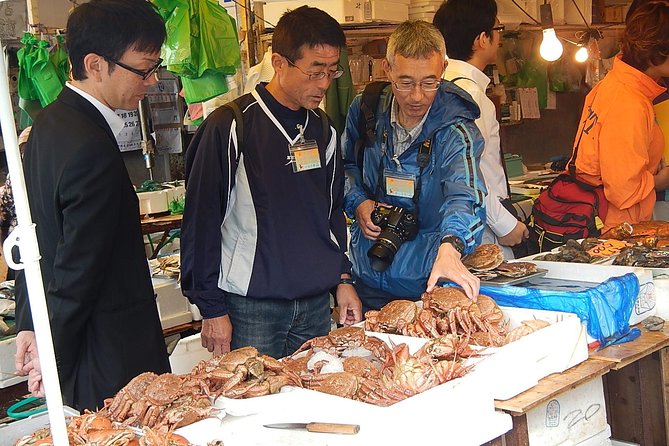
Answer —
382 253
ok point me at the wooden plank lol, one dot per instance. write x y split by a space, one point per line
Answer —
664 373
624 354
634 405
553 385
518 435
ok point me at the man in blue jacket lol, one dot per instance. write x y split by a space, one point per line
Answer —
424 163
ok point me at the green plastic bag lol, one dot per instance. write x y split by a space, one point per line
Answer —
44 76
26 57
201 46
60 60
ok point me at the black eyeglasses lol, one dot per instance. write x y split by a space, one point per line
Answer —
321 74
499 28
144 74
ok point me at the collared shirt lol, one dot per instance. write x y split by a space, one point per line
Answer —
113 120
499 221
403 137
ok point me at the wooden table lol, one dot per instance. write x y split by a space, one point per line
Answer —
547 389
637 388
164 224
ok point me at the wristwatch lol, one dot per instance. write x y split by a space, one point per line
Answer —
346 281
456 242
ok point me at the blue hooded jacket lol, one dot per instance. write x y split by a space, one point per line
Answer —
453 189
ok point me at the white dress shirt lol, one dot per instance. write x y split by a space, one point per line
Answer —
115 122
499 221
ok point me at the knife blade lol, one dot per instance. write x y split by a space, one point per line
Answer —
327 428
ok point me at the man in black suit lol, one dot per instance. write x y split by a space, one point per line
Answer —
104 320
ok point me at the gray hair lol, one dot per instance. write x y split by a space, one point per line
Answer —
415 39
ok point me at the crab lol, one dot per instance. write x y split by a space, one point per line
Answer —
392 314
463 315
341 339
119 407
525 328
516 269
450 346
484 257
342 384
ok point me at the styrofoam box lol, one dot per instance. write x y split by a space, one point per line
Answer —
7 370
662 296
570 418
173 307
645 304
462 407
518 366
187 354
11 432
152 202
344 11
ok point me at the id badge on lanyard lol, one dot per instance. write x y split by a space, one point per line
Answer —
305 156
400 184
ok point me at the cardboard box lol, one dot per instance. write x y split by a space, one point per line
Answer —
173 307
7 370
570 418
345 11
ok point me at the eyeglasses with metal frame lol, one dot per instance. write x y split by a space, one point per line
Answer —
144 74
321 74
426 85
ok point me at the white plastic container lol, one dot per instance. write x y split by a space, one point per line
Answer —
7 370
173 307
187 354
11 432
570 418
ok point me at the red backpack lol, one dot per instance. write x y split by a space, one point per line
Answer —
568 209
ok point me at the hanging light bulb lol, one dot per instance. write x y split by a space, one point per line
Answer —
581 54
550 48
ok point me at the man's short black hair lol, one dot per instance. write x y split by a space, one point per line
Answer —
461 21
305 26
111 27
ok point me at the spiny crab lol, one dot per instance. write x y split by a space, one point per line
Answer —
402 317
243 373
459 314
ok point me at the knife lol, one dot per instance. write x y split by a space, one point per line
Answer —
328 428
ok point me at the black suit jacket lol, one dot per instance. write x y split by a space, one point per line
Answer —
102 309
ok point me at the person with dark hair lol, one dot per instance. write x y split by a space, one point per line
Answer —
423 162
104 319
472 33
263 238
619 141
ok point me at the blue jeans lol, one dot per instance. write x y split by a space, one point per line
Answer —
277 327
374 298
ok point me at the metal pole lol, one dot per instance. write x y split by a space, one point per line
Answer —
25 237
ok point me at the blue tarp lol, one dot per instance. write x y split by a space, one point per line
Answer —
605 309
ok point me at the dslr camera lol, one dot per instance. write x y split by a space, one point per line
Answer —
397 226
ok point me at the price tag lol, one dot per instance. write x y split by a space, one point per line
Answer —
607 248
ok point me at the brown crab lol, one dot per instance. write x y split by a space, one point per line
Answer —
388 318
484 258
461 313
516 269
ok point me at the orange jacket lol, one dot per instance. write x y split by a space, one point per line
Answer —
621 143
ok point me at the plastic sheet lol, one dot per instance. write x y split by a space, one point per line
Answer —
605 309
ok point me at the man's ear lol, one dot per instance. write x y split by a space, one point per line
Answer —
481 41
94 65
386 66
278 62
